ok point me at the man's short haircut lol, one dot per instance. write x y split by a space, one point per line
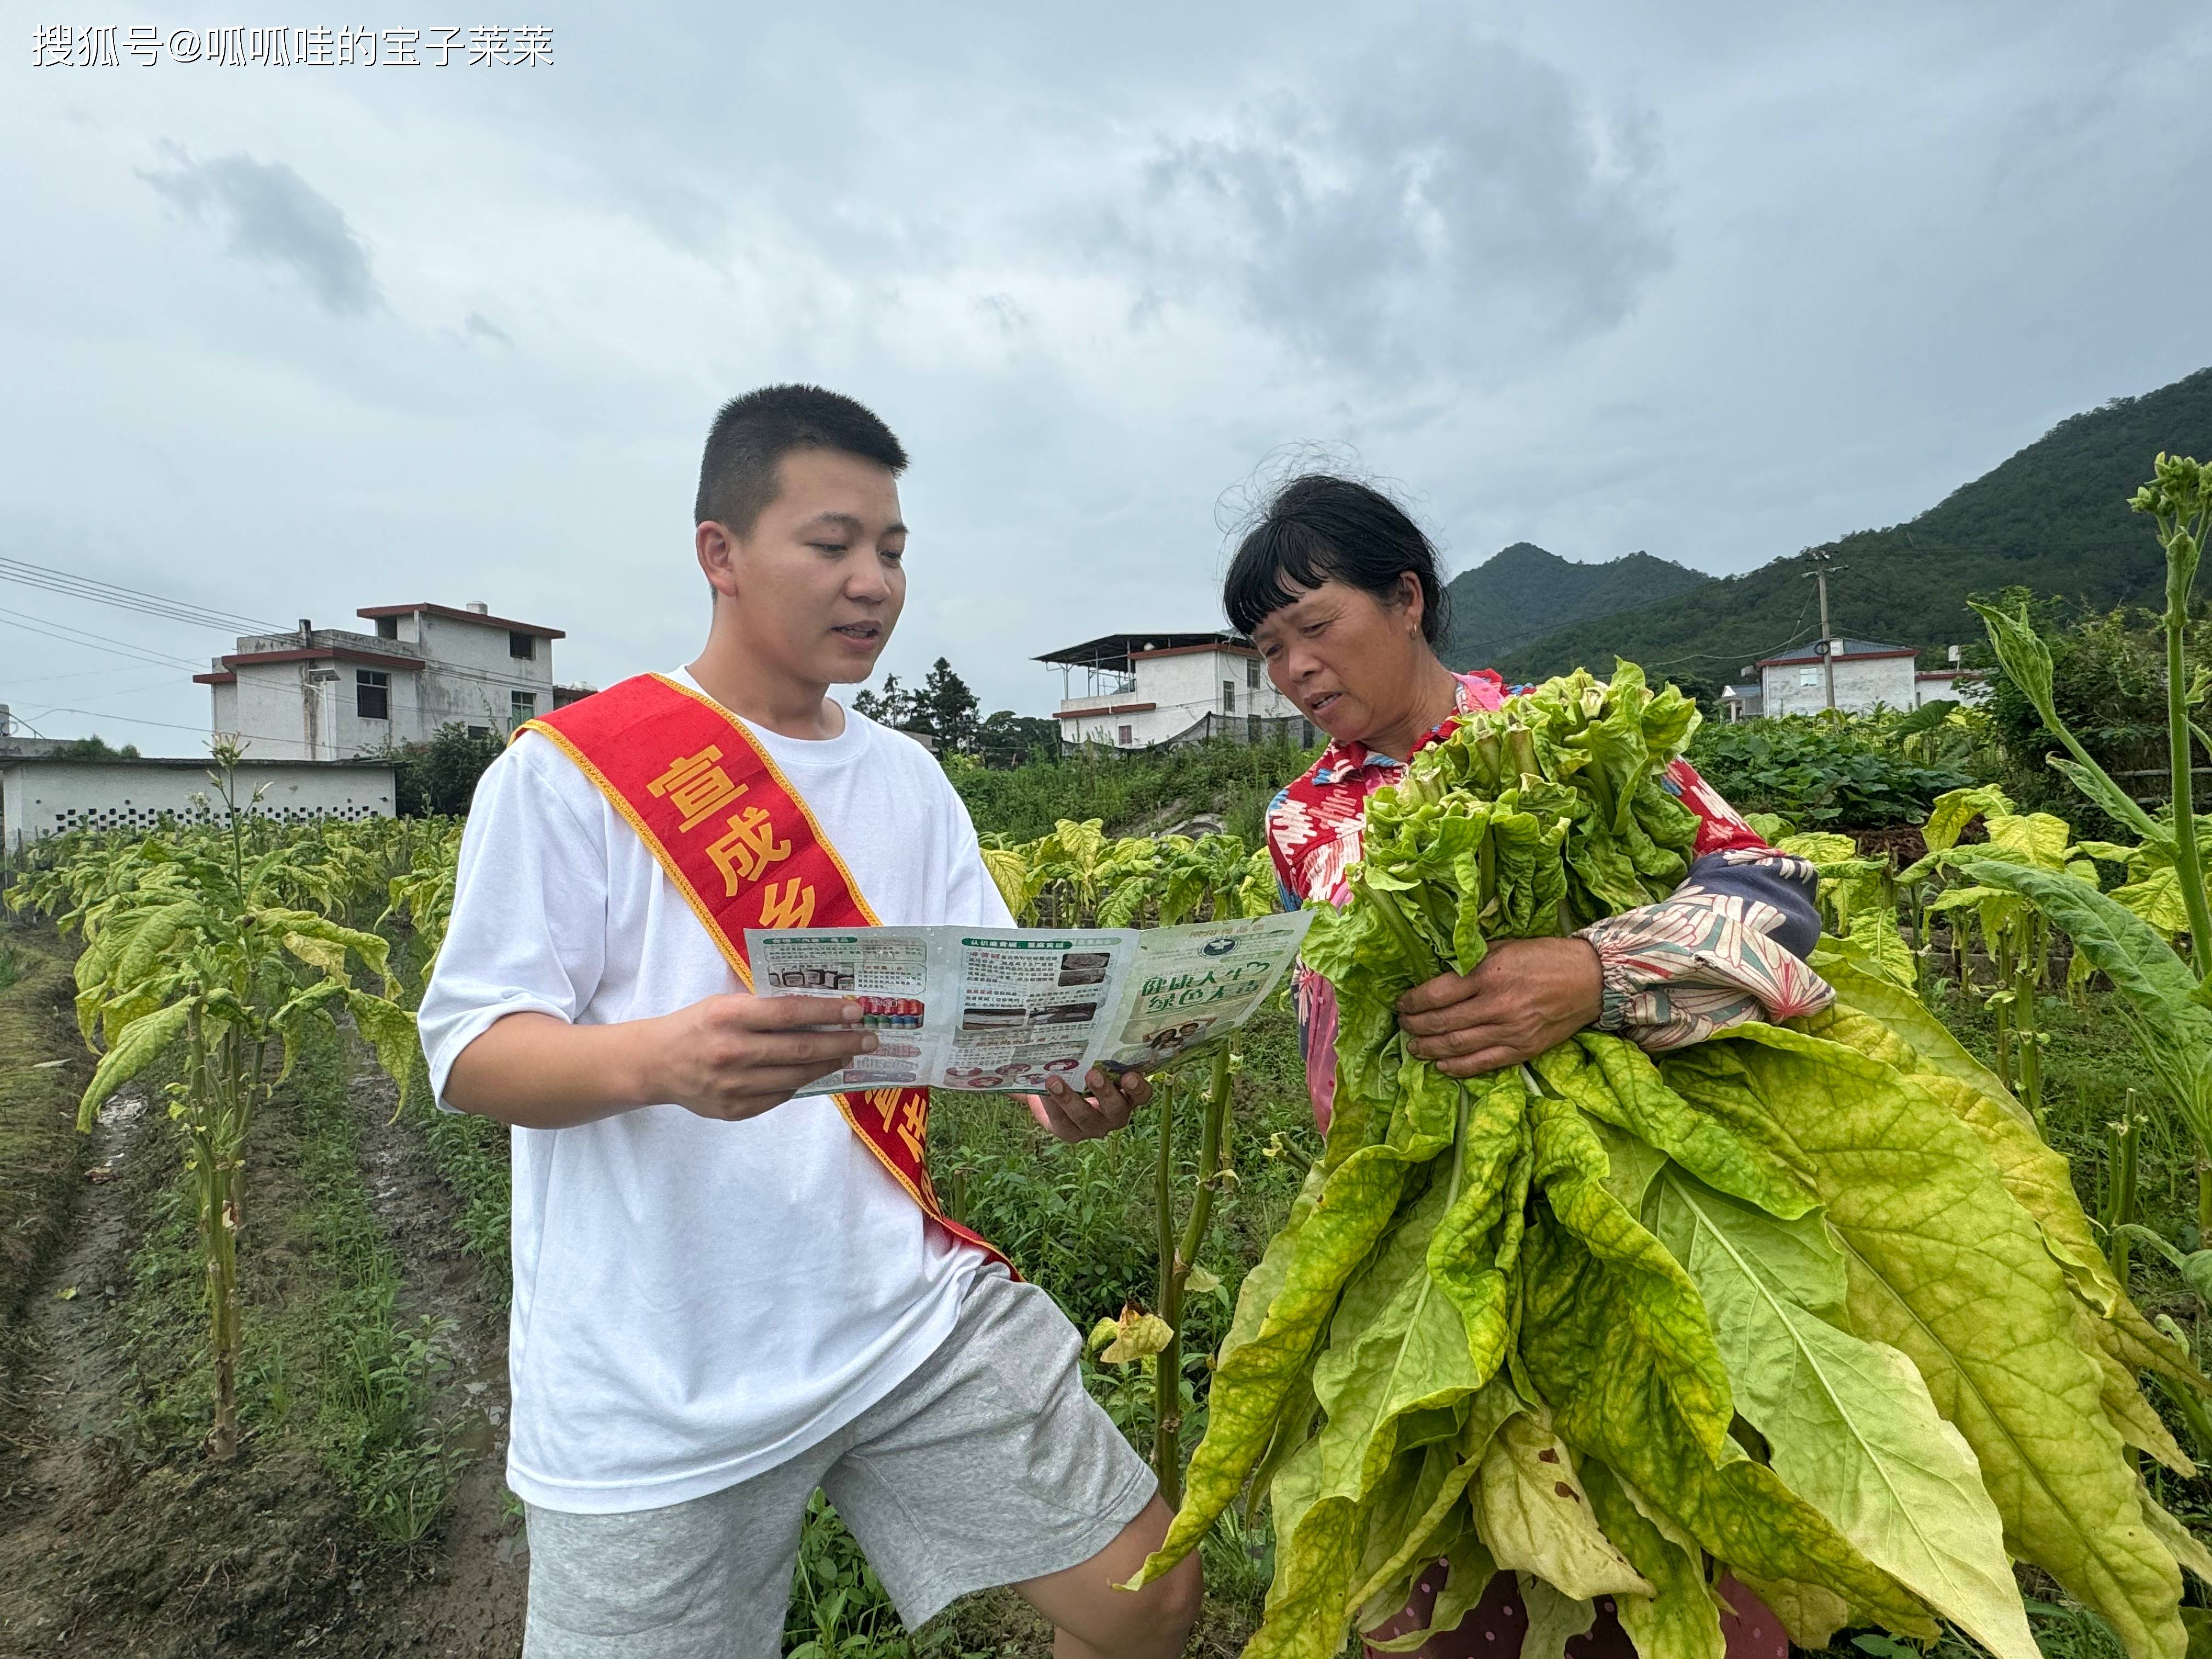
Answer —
737 474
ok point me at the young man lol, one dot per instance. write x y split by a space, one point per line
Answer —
724 1296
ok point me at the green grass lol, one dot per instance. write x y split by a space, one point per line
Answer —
471 1156
42 1157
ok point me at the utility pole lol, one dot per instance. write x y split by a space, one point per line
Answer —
1823 567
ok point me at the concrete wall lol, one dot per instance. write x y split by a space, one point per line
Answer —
42 797
471 679
1862 684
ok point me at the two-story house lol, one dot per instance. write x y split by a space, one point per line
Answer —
1140 689
330 694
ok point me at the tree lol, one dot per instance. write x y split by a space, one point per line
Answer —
1011 739
894 706
947 709
438 778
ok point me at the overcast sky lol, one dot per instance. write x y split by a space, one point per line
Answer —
1715 282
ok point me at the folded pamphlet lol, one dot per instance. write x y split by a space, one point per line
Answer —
969 1008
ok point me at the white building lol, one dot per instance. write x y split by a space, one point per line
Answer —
328 694
44 797
1868 675
1140 689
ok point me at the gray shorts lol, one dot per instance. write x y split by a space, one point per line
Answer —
988 1466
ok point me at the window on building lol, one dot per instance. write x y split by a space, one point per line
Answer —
1808 677
479 731
372 694
1305 733
1251 673
387 627
522 645
1229 696
1129 736
1251 728
522 706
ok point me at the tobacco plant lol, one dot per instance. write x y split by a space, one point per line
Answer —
2167 1001
195 946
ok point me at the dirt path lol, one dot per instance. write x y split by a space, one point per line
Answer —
467 1601
117 1538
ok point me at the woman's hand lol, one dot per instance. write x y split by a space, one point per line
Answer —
1525 996
1075 1117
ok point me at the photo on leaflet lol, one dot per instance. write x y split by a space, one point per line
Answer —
1147 1046
1001 1016
1084 967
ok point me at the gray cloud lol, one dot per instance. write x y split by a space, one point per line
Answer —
274 217
481 327
1455 201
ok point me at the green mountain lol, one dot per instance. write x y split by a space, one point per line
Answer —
1522 592
2053 519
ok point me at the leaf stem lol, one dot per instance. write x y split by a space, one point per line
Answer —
2188 863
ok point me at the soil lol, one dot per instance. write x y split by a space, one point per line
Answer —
113 1543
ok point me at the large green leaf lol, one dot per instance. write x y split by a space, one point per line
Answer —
1849 1423
142 1042
1253 1378
1587 1343
1616 1082
1947 1268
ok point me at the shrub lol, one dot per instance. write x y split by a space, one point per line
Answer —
1814 769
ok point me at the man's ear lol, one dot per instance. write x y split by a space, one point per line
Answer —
718 552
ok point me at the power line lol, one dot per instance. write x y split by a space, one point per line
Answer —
79 637
129 599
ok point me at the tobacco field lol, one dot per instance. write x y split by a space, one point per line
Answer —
253 1367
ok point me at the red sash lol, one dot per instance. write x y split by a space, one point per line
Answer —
741 847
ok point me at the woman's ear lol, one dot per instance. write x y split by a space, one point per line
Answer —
1410 599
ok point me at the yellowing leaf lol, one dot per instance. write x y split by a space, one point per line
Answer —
1680 1620
142 1043
1947 1268
1535 1514
1849 1424
1137 1336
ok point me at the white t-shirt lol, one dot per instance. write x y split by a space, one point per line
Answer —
694 1301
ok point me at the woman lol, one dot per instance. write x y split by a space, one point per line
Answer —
1339 589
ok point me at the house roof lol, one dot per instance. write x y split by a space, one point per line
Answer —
455 613
1114 652
1093 714
1853 649
314 653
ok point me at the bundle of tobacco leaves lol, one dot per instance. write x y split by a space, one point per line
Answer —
1812 1304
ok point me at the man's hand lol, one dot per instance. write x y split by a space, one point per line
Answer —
1074 1117
1526 995
736 1056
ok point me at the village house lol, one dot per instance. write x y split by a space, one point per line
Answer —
1141 690
332 694
1868 675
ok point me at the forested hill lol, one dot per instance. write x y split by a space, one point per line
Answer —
2053 519
1522 592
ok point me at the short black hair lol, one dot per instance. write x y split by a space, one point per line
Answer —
1318 528
751 434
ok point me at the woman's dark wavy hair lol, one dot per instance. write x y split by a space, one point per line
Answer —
1319 527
